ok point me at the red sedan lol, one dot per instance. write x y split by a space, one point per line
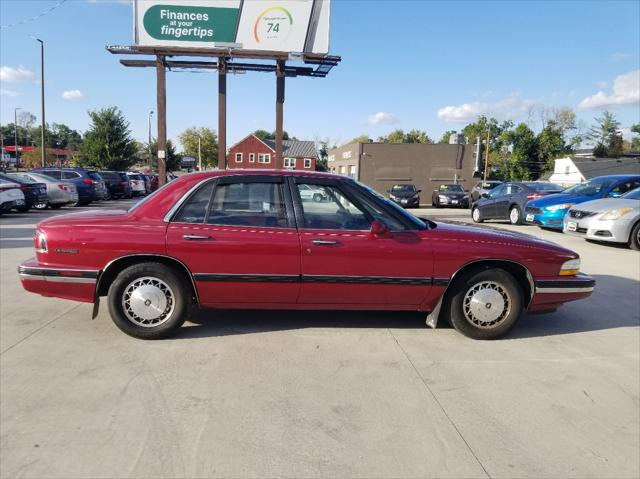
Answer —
248 240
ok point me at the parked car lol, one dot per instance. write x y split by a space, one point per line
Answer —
34 193
245 239
102 192
117 183
549 212
615 220
507 201
79 177
137 184
450 195
154 182
11 196
311 193
147 182
59 193
482 187
405 195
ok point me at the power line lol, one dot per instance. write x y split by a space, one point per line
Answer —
36 17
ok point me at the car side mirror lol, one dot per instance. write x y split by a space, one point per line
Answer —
484 195
614 194
419 191
378 228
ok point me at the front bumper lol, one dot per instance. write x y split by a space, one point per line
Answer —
59 282
454 202
407 202
552 292
545 219
614 231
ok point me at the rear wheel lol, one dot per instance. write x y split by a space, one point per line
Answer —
149 301
317 197
515 215
484 304
41 206
56 206
634 239
22 208
476 215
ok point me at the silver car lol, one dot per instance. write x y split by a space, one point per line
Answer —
59 192
609 219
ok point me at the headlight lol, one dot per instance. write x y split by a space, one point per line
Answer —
563 206
570 268
442 198
392 197
615 214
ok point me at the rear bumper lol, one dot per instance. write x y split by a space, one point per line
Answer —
552 292
67 283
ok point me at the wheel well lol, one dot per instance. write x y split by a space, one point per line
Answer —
519 272
113 269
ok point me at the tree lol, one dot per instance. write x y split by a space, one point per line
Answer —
417 136
107 143
208 144
444 139
551 145
634 144
33 158
360 139
172 159
265 135
61 136
518 160
606 135
323 156
396 136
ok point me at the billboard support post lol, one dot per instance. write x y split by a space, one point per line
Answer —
280 77
162 119
222 113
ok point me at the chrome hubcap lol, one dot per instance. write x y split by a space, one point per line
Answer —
486 304
148 301
514 215
476 214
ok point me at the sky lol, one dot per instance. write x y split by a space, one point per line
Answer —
434 66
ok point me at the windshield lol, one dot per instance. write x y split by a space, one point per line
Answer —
451 188
147 198
490 186
403 188
632 195
591 187
545 186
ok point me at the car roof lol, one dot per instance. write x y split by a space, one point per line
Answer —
615 177
299 173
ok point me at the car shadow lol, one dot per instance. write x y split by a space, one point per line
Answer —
591 314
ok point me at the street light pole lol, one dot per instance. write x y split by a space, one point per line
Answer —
199 155
43 146
150 115
15 132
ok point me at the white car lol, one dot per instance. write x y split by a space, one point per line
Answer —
310 192
59 192
137 184
11 196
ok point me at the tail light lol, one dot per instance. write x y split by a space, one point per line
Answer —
124 183
41 242
63 187
88 181
534 196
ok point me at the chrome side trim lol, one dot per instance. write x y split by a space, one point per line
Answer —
57 279
586 289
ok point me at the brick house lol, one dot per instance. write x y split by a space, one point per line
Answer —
252 152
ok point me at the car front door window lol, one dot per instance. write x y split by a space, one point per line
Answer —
333 211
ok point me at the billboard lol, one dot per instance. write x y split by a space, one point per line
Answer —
285 25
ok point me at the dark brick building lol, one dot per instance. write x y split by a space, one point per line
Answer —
252 152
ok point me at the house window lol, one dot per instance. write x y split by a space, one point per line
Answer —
238 157
346 155
307 162
342 170
264 157
567 170
252 157
289 162
331 158
352 171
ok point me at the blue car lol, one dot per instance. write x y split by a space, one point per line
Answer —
548 212
85 184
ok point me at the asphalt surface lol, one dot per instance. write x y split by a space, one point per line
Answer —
306 395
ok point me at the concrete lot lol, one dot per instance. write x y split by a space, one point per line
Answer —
305 395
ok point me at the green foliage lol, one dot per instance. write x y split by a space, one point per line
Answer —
107 143
360 139
412 136
606 135
323 156
265 135
208 144
172 159
61 136
444 139
484 125
634 144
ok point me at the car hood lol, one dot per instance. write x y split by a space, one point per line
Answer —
501 239
559 198
404 194
607 204
84 218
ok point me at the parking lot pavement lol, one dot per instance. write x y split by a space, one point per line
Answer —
298 394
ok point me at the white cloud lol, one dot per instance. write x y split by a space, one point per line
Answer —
626 91
382 118
10 93
511 107
620 56
73 95
10 74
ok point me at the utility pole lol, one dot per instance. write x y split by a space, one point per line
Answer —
149 139
486 161
15 132
43 145
161 87
199 155
279 161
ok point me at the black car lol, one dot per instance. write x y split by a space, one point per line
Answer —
450 195
117 183
407 196
507 201
34 193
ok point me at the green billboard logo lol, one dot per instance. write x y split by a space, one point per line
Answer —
191 24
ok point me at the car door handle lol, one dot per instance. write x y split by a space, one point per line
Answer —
324 242
196 237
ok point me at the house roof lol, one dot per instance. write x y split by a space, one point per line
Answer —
295 148
592 167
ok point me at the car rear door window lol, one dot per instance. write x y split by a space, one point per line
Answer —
70 175
57 174
259 204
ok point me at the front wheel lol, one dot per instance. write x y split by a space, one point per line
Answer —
515 215
634 239
317 197
476 215
485 304
149 301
